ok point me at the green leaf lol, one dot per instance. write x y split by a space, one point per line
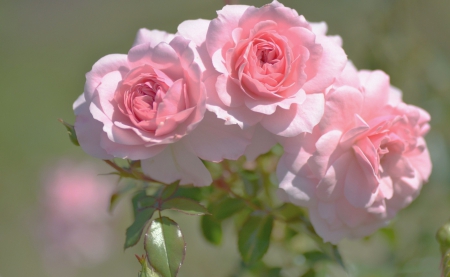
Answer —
211 229
165 246
260 269
254 237
135 201
169 190
226 208
134 232
309 273
118 195
313 257
146 271
184 205
71 132
146 202
290 212
252 182
194 193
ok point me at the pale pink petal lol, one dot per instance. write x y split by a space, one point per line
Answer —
293 187
221 28
332 63
341 105
397 166
177 163
304 141
367 157
106 91
152 36
160 56
395 96
319 28
422 162
275 11
386 186
266 107
405 191
298 119
331 186
241 116
326 152
229 92
376 91
358 190
351 216
349 137
348 77
172 122
194 30
214 141
132 152
323 229
88 130
219 62
174 101
262 141
107 64
124 136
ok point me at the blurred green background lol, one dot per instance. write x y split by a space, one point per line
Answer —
47 46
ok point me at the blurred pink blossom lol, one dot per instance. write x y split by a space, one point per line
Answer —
75 225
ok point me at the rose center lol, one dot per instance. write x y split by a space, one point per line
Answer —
140 95
266 53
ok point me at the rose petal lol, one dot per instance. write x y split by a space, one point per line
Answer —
332 62
214 141
194 30
107 64
229 92
298 119
376 91
220 29
341 105
358 190
152 36
262 141
88 130
177 163
326 153
331 186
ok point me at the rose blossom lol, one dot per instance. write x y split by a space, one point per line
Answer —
266 65
74 227
149 105
366 160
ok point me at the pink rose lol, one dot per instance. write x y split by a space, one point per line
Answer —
75 228
268 65
366 160
149 105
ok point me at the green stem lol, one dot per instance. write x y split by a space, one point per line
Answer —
129 173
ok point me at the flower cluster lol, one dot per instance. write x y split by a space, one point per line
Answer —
244 81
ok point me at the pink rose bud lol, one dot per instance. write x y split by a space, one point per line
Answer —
366 160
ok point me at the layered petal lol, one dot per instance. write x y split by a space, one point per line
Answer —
177 163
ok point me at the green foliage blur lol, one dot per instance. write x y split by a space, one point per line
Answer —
47 46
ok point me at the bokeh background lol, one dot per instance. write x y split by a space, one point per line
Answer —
47 46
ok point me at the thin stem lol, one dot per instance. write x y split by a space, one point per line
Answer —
129 173
221 184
